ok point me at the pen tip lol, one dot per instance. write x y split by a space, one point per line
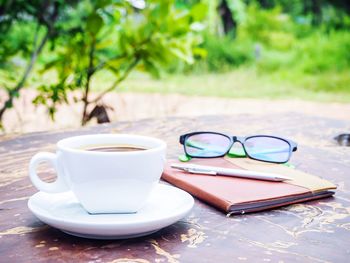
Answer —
283 179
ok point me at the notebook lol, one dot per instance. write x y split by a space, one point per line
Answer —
235 195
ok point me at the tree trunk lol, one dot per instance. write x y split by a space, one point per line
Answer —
265 3
89 73
227 18
316 9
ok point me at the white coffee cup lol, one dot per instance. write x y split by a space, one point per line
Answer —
104 182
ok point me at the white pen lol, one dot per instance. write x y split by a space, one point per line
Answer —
213 170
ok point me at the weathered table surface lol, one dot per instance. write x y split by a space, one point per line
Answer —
317 231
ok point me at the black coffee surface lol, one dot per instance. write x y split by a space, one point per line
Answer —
115 148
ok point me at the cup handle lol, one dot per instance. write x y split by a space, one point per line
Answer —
55 187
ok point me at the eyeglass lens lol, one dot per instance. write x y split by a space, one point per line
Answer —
207 145
268 149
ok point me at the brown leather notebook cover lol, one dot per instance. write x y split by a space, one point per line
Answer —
240 195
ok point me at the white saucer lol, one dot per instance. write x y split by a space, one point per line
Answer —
166 205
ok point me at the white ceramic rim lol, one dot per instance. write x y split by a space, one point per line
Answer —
64 144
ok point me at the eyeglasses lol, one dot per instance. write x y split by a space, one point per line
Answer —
264 148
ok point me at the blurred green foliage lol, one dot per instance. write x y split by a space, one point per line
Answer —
287 46
223 54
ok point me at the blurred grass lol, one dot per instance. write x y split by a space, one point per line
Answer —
240 83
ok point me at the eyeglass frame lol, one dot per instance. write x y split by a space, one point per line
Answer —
241 139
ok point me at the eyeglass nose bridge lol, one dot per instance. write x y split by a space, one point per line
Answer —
238 139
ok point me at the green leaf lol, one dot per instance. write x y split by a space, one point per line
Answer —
200 52
199 11
182 53
39 100
94 23
51 64
104 44
102 3
52 111
117 15
151 68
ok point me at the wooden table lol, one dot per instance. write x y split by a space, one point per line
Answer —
317 231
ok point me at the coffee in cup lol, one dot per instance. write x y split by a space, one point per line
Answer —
114 148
